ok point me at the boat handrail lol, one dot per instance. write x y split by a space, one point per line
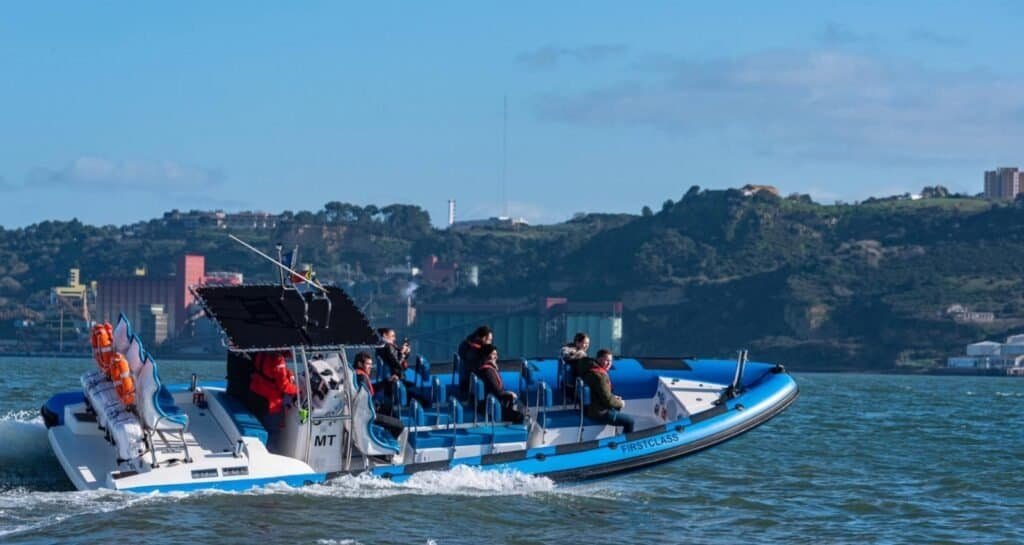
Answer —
582 399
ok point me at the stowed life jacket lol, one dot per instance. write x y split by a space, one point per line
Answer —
102 340
272 380
121 375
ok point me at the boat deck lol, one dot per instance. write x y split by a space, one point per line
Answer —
90 458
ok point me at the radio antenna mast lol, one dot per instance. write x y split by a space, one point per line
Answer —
313 283
504 155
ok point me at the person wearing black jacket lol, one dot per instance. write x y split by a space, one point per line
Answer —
470 354
395 358
396 361
490 375
575 355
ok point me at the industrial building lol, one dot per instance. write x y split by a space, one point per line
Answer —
521 329
144 299
992 355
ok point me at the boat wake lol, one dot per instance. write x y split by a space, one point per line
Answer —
458 481
35 494
26 460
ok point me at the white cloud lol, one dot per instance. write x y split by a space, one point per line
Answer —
550 56
822 105
142 175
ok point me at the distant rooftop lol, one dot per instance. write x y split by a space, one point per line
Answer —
498 222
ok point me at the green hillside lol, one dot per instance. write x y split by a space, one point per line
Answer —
813 286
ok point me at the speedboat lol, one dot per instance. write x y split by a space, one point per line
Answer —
205 435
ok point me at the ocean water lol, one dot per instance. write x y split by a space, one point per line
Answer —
858 459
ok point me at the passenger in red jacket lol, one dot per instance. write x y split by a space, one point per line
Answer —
272 383
364 379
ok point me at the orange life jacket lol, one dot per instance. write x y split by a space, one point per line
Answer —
272 380
102 340
121 375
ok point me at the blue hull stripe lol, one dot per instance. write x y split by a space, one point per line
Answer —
235 485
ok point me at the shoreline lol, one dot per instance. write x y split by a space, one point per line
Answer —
88 355
936 371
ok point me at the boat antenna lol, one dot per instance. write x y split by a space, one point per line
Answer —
280 257
313 283
504 155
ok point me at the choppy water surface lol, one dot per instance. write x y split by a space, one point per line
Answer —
858 459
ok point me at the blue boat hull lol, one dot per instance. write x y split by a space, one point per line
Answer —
760 402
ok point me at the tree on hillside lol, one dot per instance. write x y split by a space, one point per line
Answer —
407 219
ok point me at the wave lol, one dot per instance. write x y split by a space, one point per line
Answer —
25 456
353 542
458 481
23 510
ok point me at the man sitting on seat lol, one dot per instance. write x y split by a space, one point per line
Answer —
604 405
489 374
470 354
364 373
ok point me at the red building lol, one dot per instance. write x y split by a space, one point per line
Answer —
117 294
439 274
190 272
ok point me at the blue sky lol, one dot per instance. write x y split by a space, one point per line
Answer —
114 112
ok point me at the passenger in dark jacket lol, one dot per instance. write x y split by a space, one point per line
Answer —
577 349
490 375
396 361
469 353
575 355
605 406
364 379
395 358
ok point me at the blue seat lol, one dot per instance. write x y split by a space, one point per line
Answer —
422 369
447 438
166 402
248 425
431 440
382 437
565 419
435 417
499 433
154 402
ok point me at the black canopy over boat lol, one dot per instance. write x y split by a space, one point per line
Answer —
274 317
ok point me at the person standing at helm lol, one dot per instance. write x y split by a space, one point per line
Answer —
270 384
605 406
